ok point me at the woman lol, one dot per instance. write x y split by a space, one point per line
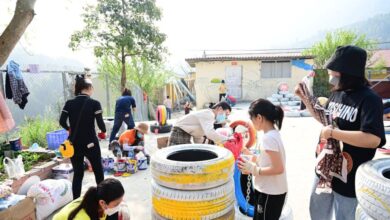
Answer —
123 108
357 111
222 90
82 112
268 169
199 124
101 202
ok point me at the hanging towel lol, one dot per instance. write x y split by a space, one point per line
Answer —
15 86
6 120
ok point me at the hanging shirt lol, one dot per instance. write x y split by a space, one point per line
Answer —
358 110
15 87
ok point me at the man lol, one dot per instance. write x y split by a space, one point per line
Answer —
199 124
168 106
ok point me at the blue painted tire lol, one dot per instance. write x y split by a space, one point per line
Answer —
240 197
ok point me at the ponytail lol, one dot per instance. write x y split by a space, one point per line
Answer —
268 110
279 115
81 84
90 204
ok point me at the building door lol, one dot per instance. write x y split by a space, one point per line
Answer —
233 81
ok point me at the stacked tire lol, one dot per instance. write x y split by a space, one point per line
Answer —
193 182
372 185
289 102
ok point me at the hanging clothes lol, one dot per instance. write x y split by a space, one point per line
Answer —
6 120
14 85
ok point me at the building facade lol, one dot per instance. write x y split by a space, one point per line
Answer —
247 77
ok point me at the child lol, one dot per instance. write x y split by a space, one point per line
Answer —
268 170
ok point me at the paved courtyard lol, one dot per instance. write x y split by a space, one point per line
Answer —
299 135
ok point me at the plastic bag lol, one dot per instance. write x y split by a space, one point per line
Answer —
14 167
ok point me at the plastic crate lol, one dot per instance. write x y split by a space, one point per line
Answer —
56 138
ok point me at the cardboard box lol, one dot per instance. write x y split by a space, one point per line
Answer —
24 210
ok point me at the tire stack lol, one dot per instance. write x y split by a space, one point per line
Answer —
372 185
193 182
289 102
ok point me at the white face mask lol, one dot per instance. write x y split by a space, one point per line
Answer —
334 80
111 211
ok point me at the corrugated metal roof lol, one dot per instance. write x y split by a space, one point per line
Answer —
248 57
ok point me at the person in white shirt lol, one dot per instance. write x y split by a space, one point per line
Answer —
168 106
269 168
199 124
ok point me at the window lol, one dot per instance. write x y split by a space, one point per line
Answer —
275 69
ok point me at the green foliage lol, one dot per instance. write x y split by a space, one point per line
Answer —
150 77
34 130
323 50
321 86
120 29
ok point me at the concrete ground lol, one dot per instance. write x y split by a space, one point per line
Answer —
300 136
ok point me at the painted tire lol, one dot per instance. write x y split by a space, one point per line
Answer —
361 214
161 129
372 185
212 203
240 197
228 216
192 166
251 129
161 115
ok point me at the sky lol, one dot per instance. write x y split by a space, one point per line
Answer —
192 26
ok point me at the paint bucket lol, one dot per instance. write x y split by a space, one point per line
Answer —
16 144
143 163
132 166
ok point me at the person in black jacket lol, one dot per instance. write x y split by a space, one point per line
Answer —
82 112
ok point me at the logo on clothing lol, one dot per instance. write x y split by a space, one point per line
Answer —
342 111
259 209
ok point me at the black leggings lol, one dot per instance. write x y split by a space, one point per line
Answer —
222 95
95 158
268 207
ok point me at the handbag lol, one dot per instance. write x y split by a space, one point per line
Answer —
66 148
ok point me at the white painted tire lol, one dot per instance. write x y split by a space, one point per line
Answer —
292 114
305 113
360 214
372 186
203 204
272 99
192 166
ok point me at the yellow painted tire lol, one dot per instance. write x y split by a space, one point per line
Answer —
213 203
228 216
372 185
192 166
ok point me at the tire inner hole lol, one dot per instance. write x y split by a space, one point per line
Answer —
192 155
386 173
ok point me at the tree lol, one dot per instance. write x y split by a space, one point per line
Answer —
122 28
24 14
323 50
150 77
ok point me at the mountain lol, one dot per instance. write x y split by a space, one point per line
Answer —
376 28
